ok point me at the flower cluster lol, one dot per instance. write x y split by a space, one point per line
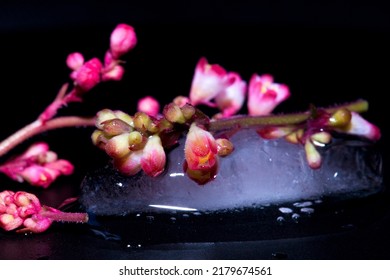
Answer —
37 165
23 211
317 131
139 142
212 82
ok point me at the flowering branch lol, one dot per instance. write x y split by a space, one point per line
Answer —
38 127
359 106
85 76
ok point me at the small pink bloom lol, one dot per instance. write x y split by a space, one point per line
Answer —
264 95
22 208
115 74
75 60
129 165
209 80
361 127
181 100
122 40
149 105
38 166
153 157
88 75
231 99
200 149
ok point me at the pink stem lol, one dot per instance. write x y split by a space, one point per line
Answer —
65 217
38 127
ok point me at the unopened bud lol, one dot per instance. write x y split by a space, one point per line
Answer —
118 146
141 121
340 118
102 116
173 113
188 111
115 127
321 138
224 147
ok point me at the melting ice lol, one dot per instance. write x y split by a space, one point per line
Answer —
258 172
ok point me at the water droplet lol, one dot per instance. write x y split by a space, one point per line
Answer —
303 204
149 219
307 210
318 201
295 217
173 219
280 220
196 213
186 216
285 210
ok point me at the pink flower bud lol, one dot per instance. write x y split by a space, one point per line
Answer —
231 99
149 105
200 149
153 157
361 127
38 166
129 165
22 208
264 95
75 60
114 74
122 40
209 80
88 75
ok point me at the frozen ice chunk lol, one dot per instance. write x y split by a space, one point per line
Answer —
258 172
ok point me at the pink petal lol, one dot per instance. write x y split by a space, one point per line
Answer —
148 105
264 95
122 40
75 60
209 80
153 157
232 98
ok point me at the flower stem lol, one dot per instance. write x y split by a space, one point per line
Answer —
358 106
38 127
65 217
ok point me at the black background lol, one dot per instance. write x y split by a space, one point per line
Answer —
328 52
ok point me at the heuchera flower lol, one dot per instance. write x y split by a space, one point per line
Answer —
361 127
200 149
149 105
38 165
264 95
230 100
122 40
153 157
23 211
75 60
209 80
88 75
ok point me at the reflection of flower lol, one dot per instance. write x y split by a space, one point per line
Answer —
264 95
38 166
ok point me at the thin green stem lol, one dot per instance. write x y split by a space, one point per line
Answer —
358 106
